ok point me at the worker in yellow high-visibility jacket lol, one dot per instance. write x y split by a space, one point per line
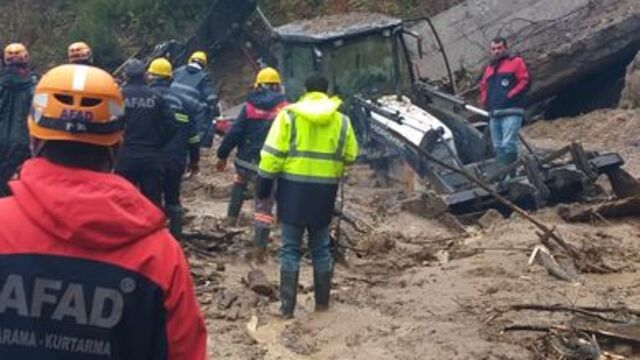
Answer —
306 150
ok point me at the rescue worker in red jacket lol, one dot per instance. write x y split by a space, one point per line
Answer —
502 93
89 270
247 134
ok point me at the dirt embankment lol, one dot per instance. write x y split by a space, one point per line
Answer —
603 130
417 288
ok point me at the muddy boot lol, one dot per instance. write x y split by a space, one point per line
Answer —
288 293
260 240
322 289
235 204
174 213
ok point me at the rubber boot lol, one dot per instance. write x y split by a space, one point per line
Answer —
235 204
260 240
174 213
500 164
288 293
322 289
510 158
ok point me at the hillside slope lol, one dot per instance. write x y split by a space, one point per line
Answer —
116 29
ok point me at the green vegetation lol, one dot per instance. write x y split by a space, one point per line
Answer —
282 11
117 29
112 27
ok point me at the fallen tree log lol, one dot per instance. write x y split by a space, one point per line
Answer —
257 281
217 236
610 210
563 308
625 333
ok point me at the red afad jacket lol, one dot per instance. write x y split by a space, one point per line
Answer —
88 271
504 84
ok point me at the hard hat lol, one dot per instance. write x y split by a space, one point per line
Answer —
199 57
77 103
268 75
160 67
16 53
134 68
79 51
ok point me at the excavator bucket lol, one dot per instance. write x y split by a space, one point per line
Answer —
623 184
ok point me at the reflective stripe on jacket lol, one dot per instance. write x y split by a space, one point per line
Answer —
250 128
310 141
196 84
186 140
306 149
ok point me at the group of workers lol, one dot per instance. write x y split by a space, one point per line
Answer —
89 268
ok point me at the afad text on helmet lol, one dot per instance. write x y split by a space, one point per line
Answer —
76 115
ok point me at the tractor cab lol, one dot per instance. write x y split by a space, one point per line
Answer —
395 116
358 53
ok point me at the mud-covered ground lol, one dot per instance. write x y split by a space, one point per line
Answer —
416 288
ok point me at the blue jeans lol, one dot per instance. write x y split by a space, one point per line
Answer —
291 251
504 134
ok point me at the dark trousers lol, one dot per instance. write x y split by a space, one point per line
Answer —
11 158
172 183
291 252
146 174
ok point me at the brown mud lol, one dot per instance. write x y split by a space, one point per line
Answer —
417 288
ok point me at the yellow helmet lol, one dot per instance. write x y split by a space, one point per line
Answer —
79 52
160 67
268 75
77 103
16 53
200 57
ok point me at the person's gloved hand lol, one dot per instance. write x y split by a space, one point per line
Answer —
221 165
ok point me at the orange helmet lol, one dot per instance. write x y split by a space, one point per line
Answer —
79 52
78 103
16 53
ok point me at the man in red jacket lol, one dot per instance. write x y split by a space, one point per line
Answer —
87 268
502 93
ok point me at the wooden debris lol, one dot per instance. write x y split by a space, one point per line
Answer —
257 281
624 333
226 300
609 210
219 236
197 250
252 325
575 345
580 260
562 308
541 255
